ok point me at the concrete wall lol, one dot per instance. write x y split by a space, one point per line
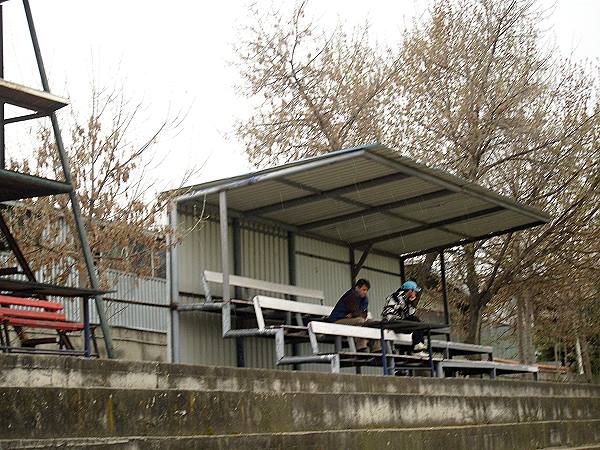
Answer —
62 402
129 344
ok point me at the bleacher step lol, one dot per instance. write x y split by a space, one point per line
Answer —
45 371
522 436
108 412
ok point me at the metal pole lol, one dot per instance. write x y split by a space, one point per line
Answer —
89 262
2 144
352 266
444 290
237 270
402 271
86 327
225 261
173 282
291 247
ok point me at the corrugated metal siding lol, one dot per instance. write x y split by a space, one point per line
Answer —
263 256
136 289
333 278
201 339
200 249
381 262
381 286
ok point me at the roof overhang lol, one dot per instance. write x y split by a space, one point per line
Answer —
369 197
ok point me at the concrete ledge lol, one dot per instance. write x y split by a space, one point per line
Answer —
27 413
575 434
60 371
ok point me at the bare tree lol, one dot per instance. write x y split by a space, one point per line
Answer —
473 89
483 99
109 165
316 92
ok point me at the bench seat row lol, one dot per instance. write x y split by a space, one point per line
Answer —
271 313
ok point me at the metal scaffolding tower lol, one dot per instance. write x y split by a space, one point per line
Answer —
17 186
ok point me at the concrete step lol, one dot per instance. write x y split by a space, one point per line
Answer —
522 436
60 371
579 447
107 412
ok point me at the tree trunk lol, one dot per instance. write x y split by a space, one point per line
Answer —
587 362
525 328
424 269
474 324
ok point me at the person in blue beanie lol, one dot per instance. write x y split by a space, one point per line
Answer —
402 305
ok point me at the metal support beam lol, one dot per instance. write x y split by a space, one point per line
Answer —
377 209
12 243
85 246
402 270
294 229
356 267
237 270
471 240
319 195
270 175
352 264
462 188
438 224
226 316
173 284
21 118
2 139
444 290
291 248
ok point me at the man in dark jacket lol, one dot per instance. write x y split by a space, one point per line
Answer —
352 308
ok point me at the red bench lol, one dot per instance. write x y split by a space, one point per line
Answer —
46 315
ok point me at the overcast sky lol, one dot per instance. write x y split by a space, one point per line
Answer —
173 56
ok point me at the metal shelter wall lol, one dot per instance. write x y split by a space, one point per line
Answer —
264 255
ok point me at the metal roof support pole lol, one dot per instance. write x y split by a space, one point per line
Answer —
445 290
356 267
173 284
237 270
291 248
2 147
352 265
85 246
225 262
402 270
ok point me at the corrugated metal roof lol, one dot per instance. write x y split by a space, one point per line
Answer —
369 196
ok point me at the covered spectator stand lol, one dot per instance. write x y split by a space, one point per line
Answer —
369 199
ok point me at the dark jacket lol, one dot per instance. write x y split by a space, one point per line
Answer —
350 303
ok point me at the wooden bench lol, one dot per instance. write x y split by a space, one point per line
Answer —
39 314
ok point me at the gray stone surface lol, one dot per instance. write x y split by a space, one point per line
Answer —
497 437
61 402
57 371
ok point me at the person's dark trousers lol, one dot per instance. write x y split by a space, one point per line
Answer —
417 335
